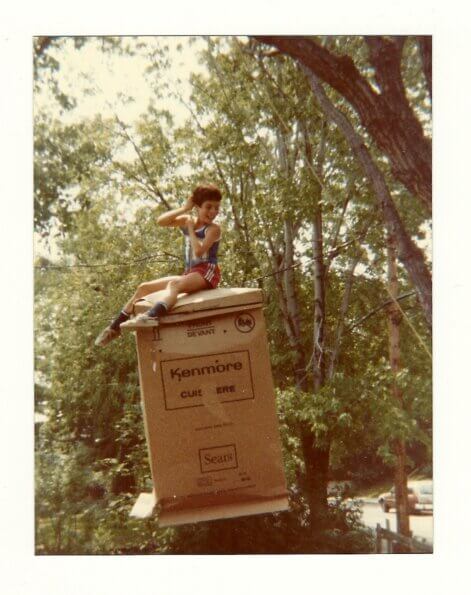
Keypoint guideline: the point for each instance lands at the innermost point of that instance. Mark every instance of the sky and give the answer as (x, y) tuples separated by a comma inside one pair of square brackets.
[(111, 75), (99, 80)]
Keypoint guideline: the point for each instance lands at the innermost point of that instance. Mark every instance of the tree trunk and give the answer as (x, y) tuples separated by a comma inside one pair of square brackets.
[(316, 459), (394, 321), (317, 453), (316, 456), (350, 276), (318, 335), (292, 304), (412, 258), (426, 53), (387, 115)]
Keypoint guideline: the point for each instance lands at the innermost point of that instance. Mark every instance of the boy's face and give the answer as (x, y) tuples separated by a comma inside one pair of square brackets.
[(208, 211)]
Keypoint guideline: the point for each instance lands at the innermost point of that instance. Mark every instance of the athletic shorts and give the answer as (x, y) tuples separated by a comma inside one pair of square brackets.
[(210, 272)]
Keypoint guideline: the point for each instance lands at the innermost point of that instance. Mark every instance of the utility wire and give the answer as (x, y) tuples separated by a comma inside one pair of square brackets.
[(143, 259), (157, 258)]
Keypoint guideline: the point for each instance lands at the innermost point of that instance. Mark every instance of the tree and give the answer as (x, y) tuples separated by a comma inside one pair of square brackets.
[(71, 164), (390, 120), (412, 258), (386, 114)]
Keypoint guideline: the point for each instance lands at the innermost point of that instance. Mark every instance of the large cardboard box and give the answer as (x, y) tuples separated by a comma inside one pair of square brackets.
[(209, 410)]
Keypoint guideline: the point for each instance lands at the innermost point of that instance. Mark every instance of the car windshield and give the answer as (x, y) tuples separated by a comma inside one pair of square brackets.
[(426, 489)]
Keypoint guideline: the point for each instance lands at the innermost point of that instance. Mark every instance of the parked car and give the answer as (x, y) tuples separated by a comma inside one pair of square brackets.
[(419, 496)]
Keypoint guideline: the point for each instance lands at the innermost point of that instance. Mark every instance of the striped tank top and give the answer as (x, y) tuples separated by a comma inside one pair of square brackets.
[(208, 257)]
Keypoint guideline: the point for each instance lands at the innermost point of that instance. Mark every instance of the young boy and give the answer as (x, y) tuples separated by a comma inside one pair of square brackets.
[(202, 238)]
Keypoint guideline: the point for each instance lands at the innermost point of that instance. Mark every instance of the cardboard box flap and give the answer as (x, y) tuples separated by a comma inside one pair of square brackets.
[(210, 299), (169, 518)]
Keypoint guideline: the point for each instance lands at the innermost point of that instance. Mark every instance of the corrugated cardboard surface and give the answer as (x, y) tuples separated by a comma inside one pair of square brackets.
[(209, 299), (210, 416)]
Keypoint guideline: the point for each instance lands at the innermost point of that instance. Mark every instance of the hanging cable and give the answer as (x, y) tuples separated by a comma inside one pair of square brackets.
[(143, 259)]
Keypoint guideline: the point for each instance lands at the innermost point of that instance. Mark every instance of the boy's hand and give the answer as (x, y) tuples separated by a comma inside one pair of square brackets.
[(190, 224)]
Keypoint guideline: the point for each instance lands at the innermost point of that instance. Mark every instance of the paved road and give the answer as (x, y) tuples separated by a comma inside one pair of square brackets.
[(421, 525)]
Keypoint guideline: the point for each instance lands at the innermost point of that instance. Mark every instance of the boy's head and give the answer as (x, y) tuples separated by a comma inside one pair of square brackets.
[(206, 192)]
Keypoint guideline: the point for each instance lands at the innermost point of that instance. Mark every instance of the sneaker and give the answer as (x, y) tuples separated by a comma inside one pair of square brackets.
[(140, 321), (106, 336)]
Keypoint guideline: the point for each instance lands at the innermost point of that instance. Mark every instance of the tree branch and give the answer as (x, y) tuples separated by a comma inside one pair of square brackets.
[(154, 187), (342, 313), (380, 307), (392, 125)]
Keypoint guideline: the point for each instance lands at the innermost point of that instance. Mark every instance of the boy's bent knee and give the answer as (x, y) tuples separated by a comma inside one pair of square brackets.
[(142, 287), (174, 284), (145, 288)]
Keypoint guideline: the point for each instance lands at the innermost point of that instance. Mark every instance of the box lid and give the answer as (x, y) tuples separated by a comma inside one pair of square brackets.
[(209, 299)]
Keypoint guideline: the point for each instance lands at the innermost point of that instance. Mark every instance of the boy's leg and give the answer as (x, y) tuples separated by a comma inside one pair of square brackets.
[(112, 331), (146, 288), (184, 284)]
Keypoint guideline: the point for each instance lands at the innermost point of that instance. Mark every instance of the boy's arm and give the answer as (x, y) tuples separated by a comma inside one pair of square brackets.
[(200, 247), (176, 217)]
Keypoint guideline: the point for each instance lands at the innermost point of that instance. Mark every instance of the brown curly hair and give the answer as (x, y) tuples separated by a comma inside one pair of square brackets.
[(205, 192)]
